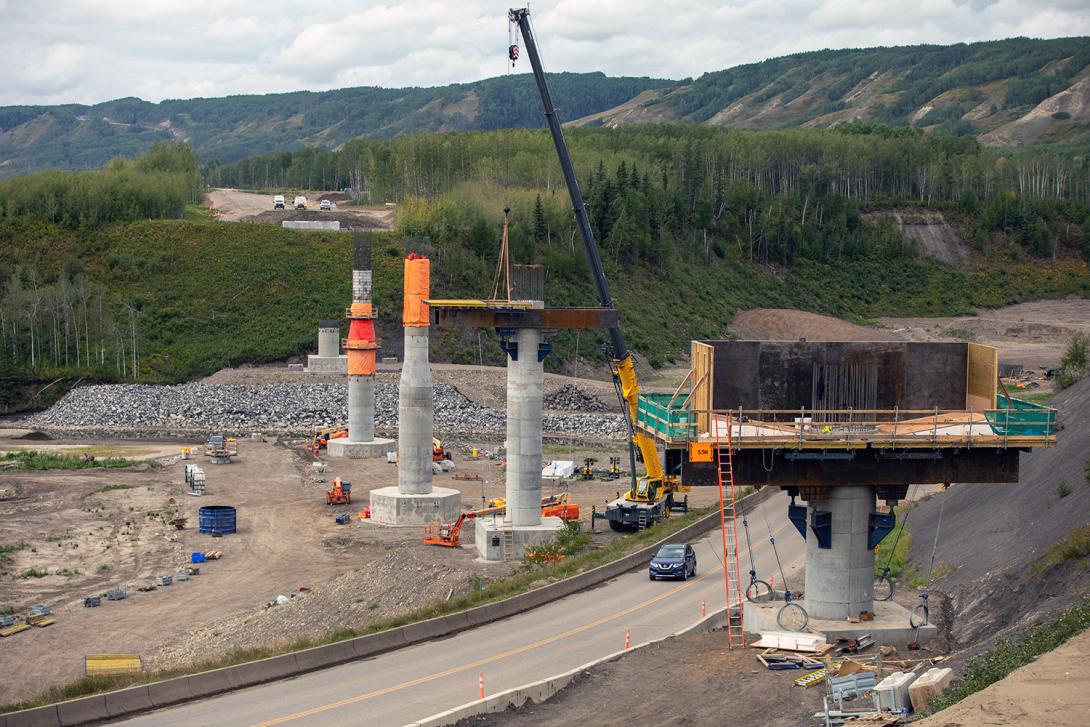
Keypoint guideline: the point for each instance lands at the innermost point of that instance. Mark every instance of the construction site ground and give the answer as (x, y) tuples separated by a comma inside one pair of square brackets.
[(234, 205), (93, 529)]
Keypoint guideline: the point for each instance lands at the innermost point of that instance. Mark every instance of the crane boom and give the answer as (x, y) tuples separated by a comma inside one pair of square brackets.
[(623, 364)]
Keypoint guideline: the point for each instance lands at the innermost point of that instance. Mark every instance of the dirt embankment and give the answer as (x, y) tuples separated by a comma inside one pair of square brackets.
[(993, 537), (780, 324), (1054, 691)]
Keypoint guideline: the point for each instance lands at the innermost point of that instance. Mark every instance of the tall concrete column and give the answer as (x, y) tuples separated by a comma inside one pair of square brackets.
[(525, 380), (361, 408), (415, 410), (840, 579)]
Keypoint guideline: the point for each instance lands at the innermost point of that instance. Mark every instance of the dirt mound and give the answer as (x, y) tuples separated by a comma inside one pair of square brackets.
[(781, 324), (1053, 690), (996, 534)]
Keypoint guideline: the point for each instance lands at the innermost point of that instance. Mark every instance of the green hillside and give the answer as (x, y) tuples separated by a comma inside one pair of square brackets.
[(694, 223), (225, 129), (987, 88)]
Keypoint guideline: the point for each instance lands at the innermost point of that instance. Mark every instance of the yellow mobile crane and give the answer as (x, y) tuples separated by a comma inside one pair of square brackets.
[(651, 497)]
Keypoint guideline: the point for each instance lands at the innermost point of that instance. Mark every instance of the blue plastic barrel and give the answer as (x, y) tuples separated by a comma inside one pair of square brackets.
[(216, 519)]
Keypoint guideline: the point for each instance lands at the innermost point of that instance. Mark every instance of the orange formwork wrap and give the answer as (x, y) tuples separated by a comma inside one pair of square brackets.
[(362, 345), (417, 285)]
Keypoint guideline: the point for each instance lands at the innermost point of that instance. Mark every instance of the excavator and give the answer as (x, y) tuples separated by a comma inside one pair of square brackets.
[(448, 535), (651, 498)]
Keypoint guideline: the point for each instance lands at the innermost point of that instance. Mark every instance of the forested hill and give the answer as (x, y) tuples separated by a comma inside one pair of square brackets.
[(226, 129), (1008, 92)]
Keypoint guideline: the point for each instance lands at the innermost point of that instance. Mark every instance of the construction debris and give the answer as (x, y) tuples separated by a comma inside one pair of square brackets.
[(790, 641)]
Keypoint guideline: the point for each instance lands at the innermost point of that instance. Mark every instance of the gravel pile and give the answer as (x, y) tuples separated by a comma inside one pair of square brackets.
[(571, 398), (282, 408)]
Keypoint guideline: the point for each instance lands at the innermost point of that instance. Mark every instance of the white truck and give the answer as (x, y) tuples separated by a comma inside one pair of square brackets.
[(278, 202), (300, 203)]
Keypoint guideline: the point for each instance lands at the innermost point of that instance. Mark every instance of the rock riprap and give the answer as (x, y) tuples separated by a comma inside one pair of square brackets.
[(277, 408)]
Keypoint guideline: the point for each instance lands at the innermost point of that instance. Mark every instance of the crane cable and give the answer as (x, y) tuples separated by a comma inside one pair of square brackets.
[(919, 616)]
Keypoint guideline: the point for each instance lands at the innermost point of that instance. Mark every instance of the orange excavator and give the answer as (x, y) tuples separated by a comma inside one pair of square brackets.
[(340, 493), (321, 437), (448, 534)]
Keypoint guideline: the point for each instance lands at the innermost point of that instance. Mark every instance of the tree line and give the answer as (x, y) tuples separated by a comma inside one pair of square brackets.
[(774, 196), (156, 185)]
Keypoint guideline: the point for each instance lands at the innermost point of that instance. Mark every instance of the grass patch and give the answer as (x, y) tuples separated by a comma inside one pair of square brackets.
[(34, 460), (525, 580), (1038, 397), (1007, 655), (898, 560), (1073, 547), (33, 573), (7, 550), (110, 488)]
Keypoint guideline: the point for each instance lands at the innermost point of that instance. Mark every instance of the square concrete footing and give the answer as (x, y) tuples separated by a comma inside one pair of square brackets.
[(390, 507), (490, 536), (360, 450), (327, 364), (890, 625)]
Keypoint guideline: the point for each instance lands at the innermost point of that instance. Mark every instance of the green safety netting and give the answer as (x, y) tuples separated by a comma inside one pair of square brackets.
[(1017, 418)]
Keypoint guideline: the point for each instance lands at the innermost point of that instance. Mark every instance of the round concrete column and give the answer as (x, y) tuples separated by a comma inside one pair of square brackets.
[(840, 579), (361, 408), (416, 408), (329, 341), (525, 380)]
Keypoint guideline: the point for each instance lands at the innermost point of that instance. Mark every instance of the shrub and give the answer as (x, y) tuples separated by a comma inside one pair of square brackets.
[(1063, 490)]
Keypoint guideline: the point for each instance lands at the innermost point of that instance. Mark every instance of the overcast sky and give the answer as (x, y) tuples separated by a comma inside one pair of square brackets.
[(85, 51)]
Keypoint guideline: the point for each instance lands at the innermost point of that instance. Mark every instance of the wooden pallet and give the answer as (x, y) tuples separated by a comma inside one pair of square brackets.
[(12, 630)]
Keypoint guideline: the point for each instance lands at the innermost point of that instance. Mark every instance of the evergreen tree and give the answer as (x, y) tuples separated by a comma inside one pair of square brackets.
[(541, 231)]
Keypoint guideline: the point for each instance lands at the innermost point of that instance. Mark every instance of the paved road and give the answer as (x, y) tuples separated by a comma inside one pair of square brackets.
[(412, 683)]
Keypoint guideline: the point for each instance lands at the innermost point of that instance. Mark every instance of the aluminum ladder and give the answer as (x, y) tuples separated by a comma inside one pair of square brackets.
[(728, 521), (508, 541)]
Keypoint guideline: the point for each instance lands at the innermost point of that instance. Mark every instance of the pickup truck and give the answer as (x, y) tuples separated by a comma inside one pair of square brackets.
[(300, 203)]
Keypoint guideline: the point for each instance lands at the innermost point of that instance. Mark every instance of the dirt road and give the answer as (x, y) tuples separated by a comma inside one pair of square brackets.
[(231, 205)]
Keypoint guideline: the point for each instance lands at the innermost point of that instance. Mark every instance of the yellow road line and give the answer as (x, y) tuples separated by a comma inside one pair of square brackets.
[(482, 662)]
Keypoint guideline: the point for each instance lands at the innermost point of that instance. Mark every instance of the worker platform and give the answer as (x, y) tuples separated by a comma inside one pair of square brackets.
[(873, 413)]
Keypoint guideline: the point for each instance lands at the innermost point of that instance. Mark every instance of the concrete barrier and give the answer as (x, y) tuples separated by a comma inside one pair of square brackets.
[(204, 684), (82, 711), (41, 717), (170, 691), (128, 701)]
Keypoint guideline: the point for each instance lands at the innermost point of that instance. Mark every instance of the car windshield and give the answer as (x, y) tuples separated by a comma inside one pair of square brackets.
[(672, 551)]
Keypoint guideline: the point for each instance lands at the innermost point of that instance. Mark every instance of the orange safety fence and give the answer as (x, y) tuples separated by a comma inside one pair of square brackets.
[(417, 285)]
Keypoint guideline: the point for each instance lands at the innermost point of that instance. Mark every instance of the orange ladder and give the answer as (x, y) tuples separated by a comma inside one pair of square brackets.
[(728, 521)]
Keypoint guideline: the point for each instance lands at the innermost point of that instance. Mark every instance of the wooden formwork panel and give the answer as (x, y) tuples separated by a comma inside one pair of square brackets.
[(700, 398), (982, 377)]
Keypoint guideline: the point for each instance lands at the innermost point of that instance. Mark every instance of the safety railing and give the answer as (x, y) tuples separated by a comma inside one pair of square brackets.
[(1015, 424)]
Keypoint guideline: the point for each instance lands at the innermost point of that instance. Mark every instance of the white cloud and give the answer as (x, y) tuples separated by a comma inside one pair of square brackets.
[(94, 50)]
